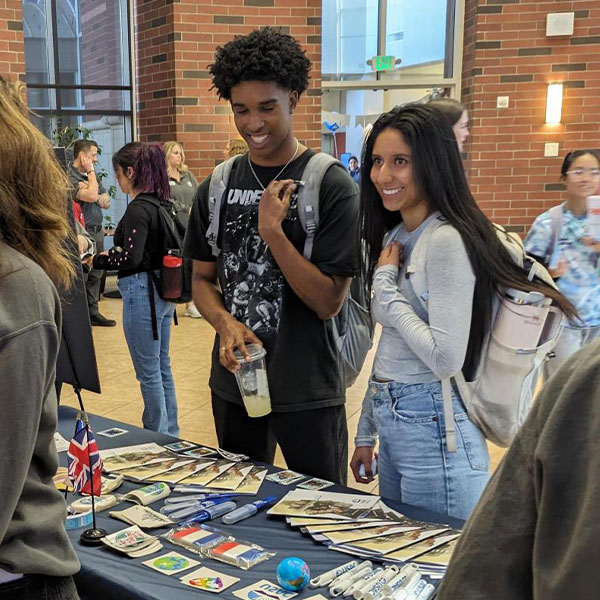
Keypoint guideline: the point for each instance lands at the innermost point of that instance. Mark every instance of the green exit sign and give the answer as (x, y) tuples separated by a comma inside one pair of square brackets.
[(383, 63)]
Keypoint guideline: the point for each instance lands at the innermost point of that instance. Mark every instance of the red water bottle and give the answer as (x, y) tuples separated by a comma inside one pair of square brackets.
[(172, 277)]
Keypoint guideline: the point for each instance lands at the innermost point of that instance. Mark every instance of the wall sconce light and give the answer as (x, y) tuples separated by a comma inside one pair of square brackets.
[(554, 103)]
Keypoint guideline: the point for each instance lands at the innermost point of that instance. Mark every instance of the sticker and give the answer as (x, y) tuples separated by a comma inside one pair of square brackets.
[(171, 563), (235, 550), (285, 477), (200, 452), (179, 446), (315, 484), (264, 590), (112, 432), (208, 580)]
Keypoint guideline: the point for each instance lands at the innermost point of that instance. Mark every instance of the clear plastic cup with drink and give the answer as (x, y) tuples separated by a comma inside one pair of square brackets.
[(252, 380)]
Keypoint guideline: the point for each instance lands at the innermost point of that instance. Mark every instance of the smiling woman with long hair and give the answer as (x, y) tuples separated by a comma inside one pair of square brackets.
[(36, 556), (412, 179)]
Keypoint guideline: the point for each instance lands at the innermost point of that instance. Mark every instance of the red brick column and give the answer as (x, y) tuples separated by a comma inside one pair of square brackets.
[(507, 53), (12, 49)]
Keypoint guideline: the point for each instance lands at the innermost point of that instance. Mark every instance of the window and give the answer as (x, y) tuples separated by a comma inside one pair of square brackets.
[(419, 34), (77, 63)]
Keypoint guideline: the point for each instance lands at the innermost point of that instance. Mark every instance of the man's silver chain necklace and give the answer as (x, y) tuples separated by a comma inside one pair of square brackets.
[(280, 172)]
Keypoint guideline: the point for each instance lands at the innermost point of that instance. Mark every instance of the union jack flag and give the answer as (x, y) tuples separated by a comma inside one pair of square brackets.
[(79, 462)]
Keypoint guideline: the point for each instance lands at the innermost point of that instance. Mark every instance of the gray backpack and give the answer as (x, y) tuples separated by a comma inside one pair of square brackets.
[(500, 395), (352, 327)]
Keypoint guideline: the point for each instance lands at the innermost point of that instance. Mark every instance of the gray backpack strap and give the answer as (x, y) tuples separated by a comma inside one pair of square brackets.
[(216, 190), (556, 216), (308, 196)]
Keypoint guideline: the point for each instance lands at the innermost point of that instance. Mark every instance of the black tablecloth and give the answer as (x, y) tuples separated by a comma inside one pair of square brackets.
[(107, 575)]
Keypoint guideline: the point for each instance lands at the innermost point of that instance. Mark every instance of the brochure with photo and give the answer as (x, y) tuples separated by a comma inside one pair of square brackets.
[(309, 503), (145, 472), (390, 543), (116, 459), (232, 478), (435, 550), (208, 474), (179, 472), (252, 481), (342, 537)]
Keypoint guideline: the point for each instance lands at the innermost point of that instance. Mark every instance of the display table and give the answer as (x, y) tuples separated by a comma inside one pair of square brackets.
[(108, 575)]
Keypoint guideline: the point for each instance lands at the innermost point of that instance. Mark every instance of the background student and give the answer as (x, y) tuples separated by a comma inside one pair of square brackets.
[(559, 238), (141, 172), (183, 187), (457, 117)]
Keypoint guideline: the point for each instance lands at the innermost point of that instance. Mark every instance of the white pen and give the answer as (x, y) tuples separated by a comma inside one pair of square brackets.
[(341, 584), (426, 592), (365, 581), (407, 588), (398, 581), (376, 587), (327, 577)]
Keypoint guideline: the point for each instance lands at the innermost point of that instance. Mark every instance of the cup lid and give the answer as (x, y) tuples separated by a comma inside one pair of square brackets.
[(256, 352)]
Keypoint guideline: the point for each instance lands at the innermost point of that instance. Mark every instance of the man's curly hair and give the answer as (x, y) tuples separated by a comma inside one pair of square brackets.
[(263, 55)]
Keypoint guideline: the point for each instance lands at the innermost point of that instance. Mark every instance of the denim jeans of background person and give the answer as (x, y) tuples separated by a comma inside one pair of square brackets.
[(150, 357), (413, 459)]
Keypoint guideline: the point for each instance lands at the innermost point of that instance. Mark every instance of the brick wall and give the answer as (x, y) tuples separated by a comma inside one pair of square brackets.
[(176, 43), (12, 50), (507, 53)]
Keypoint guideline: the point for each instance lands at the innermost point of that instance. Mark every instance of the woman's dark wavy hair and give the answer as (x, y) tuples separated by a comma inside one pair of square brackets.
[(571, 156), (263, 55), (150, 167), (439, 176)]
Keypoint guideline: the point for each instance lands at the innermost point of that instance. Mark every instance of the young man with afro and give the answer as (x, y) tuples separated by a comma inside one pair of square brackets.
[(262, 75)]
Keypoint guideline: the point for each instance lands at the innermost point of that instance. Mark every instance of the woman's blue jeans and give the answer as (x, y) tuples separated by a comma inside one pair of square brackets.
[(150, 357), (414, 464)]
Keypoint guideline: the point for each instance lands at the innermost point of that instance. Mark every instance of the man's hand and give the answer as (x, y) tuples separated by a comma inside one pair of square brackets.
[(83, 243), (234, 335), (104, 201), (392, 254), (273, 207), (87, 163), (363, 455)]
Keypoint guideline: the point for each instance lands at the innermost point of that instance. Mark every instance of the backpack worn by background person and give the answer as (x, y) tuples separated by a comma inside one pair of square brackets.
[(174, 283), (501, 391), (352, 326)]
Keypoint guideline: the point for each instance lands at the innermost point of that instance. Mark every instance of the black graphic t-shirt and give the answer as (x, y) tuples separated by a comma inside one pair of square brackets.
[(302, 362)]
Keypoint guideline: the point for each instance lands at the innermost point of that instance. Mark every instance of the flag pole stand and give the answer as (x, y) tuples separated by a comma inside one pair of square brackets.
[(93, 536)]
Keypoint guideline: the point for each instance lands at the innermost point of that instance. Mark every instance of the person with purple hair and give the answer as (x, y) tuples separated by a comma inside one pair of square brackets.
[(141, 171)]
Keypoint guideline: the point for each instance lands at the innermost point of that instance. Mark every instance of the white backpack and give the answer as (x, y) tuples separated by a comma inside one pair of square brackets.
[(500, 395)]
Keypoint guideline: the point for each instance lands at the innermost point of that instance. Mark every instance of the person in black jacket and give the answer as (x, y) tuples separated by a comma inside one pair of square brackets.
[(141, 171)]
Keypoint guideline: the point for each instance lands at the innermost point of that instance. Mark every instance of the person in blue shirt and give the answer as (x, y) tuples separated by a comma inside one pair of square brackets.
[(354, 169), (571, 255)]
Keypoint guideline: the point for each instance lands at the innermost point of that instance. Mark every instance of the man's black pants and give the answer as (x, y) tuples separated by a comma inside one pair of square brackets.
[(313, 442)]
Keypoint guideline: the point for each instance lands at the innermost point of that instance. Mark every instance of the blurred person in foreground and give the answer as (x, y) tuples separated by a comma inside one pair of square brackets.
[(37, 560), (534, 534)]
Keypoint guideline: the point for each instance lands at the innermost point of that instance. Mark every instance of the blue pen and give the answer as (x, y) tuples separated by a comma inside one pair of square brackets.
[(212, 512), (195, 498), (194, 505), (248, 510)]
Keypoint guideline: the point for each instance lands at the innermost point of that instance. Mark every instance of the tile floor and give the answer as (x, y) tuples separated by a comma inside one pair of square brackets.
[(191, 343)]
